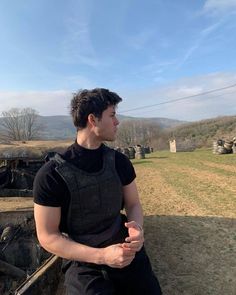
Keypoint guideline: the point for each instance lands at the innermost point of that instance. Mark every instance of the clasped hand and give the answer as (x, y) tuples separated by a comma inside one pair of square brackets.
[(134, 241), (121, 255)]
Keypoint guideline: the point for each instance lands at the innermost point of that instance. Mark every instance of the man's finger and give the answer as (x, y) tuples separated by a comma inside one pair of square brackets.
[(133, 245)]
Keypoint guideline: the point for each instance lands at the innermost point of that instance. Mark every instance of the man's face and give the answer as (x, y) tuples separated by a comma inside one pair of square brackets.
[(106, 126)]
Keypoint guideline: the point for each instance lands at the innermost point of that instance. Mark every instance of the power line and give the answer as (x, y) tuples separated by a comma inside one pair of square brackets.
[(209, 97), (179, 99)]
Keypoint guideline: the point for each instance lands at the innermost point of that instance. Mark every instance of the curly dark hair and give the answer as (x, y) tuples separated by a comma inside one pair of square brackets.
[(95, 101)]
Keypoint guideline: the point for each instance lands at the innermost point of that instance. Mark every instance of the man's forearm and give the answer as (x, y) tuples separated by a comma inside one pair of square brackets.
[(64, 247), (114, 256), (135, 240), (135, 213)]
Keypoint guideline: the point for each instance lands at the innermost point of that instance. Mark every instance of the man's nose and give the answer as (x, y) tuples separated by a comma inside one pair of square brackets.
[(117, 122)]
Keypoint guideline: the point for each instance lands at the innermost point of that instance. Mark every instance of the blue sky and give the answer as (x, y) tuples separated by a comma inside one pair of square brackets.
[(149, 52)]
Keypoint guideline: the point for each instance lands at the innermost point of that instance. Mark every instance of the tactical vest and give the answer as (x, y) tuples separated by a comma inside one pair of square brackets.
[(96, 200)]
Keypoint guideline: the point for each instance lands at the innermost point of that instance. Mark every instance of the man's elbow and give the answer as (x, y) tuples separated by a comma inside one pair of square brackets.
[(43, 240), (47, 241)]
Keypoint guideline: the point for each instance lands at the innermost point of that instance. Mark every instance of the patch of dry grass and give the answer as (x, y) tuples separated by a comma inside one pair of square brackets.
[(189, 209), (189, 203)]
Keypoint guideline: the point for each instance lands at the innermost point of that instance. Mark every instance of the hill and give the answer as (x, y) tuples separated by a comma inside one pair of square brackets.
[(56, 127), (163, 123), (61, 127), (201, 132), (205, 131)]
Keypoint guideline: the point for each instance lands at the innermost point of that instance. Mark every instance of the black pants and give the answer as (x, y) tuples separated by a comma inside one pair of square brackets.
[(91, 279)]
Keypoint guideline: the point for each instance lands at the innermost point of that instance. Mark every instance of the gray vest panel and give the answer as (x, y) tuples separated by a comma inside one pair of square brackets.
[(96, 200)]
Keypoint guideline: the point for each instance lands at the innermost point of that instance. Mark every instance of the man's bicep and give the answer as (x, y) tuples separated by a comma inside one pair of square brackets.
[(47, 219), (131, 196)]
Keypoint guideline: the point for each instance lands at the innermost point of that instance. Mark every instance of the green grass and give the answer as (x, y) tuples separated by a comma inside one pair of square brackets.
[(189, 202), (199, 177)]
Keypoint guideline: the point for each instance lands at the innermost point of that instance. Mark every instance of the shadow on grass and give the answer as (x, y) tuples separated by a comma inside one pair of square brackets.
[(192, 255), (158, 157), (142, 162)]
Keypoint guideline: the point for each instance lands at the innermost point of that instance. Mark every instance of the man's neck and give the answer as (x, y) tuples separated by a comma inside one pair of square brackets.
[(87, 140)]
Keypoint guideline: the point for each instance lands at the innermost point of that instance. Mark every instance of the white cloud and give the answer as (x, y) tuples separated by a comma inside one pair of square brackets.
[(77, 46), (45, 102), (189, 52), (202, 36), (77, 82), (210, 29), (196, 108), (219, 6)]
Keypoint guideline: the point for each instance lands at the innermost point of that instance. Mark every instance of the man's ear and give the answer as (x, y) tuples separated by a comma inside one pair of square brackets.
[(92, 120)]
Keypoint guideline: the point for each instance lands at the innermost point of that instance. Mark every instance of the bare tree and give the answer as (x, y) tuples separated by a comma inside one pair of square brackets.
[(133, 132), (19, 124), (125, 136), (146, 132)]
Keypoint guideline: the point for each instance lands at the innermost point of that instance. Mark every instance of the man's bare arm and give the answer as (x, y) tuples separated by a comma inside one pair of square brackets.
[(47, 221), (132, 203), (135, 217)]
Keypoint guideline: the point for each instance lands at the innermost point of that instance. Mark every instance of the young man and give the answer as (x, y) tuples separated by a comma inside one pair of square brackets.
[(78, 199)]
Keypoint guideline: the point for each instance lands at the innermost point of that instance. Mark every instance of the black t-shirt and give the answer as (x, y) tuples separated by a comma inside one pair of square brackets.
[(51, 190)]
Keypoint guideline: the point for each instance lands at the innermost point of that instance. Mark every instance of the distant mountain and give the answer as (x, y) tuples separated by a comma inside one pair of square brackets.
[(202, 132), (56, 127), (61, 127), (161, 122)]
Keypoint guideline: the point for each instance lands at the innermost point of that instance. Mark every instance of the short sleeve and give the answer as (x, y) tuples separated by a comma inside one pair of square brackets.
[(124, 168), (48, 188)]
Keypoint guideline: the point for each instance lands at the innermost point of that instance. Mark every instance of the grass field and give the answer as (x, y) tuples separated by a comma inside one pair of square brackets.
[(189, 203)]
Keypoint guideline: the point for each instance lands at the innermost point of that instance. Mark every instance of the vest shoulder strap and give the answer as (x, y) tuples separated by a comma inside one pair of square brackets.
[(57, 158), (109, 156)]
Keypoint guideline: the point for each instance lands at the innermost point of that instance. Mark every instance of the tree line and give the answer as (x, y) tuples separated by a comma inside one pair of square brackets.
[(23, 125), (202, 133), (144, 132), (19, 125)]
